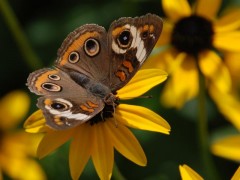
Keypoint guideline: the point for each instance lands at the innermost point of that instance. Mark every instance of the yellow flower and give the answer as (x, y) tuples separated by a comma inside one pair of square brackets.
[(188, 173), (192, 40), (16, 147), (98, 141)]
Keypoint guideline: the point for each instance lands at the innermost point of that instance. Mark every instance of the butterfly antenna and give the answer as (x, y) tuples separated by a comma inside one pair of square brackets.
[(145, 97), (142, 97)]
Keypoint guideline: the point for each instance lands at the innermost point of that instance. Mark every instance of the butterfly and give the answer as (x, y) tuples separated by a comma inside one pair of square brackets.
[(92, 64)]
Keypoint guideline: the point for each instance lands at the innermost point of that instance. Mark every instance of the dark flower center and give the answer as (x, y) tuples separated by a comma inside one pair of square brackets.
[(192, 35), (107, 112)]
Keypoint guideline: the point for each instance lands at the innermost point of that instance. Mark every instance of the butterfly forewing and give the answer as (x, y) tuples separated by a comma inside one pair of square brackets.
[(131, 40), (85, 51)]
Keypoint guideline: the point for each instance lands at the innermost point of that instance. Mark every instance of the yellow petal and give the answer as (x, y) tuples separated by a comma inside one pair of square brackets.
[(182, 84), (36, 123), (141, 118), (16, 149), (175, 62), (102, 151), (214, 69), (230, 21), (236, 175), (25, 143), (167, 60), (228, 41), (232, 61), (188, 173), (208, 9), (143, 81), (80, 150), (32, 170), (228, 147), (227, 104), (126, 143), (13, 107), (22, 168), (166, 34), (52, 140), (160, 60), (176, 9)]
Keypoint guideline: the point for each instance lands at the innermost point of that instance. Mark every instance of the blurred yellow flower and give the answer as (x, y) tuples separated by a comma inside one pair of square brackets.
[(229, 146), (17, 147), (98, 141), (231, 104), (188, 173), (192, 40)]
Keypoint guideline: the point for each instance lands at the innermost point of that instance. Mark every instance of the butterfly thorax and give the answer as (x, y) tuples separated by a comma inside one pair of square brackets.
[(95, 88), (98, 89)]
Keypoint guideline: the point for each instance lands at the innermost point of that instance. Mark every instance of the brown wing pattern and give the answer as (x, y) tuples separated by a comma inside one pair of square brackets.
[(88, 43), (64, 103), (131, 40)]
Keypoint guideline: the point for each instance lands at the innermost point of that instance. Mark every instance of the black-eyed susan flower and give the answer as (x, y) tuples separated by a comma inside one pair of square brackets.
[(17, 147), (98, 140), (195, 40), (188, 173), (192, 48)]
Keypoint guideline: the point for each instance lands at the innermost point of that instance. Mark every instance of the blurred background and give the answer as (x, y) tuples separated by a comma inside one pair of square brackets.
[(46, 24)]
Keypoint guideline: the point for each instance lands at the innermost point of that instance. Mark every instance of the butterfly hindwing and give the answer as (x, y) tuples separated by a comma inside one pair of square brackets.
[(64, 103)]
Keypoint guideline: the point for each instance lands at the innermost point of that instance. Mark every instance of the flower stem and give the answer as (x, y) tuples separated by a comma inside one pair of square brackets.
[(207, 160), (117, 174), (11, 20)]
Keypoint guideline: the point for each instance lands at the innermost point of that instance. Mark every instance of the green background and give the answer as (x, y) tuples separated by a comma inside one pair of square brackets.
[(46, 24)]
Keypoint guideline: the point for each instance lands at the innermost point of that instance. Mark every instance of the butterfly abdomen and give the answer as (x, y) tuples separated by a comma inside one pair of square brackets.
[(95, 88)]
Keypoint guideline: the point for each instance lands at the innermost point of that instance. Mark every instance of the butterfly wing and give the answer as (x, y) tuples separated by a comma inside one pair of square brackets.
[(131, 40), (92, 64), (110, 58), (85, 51), (64, 103)]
